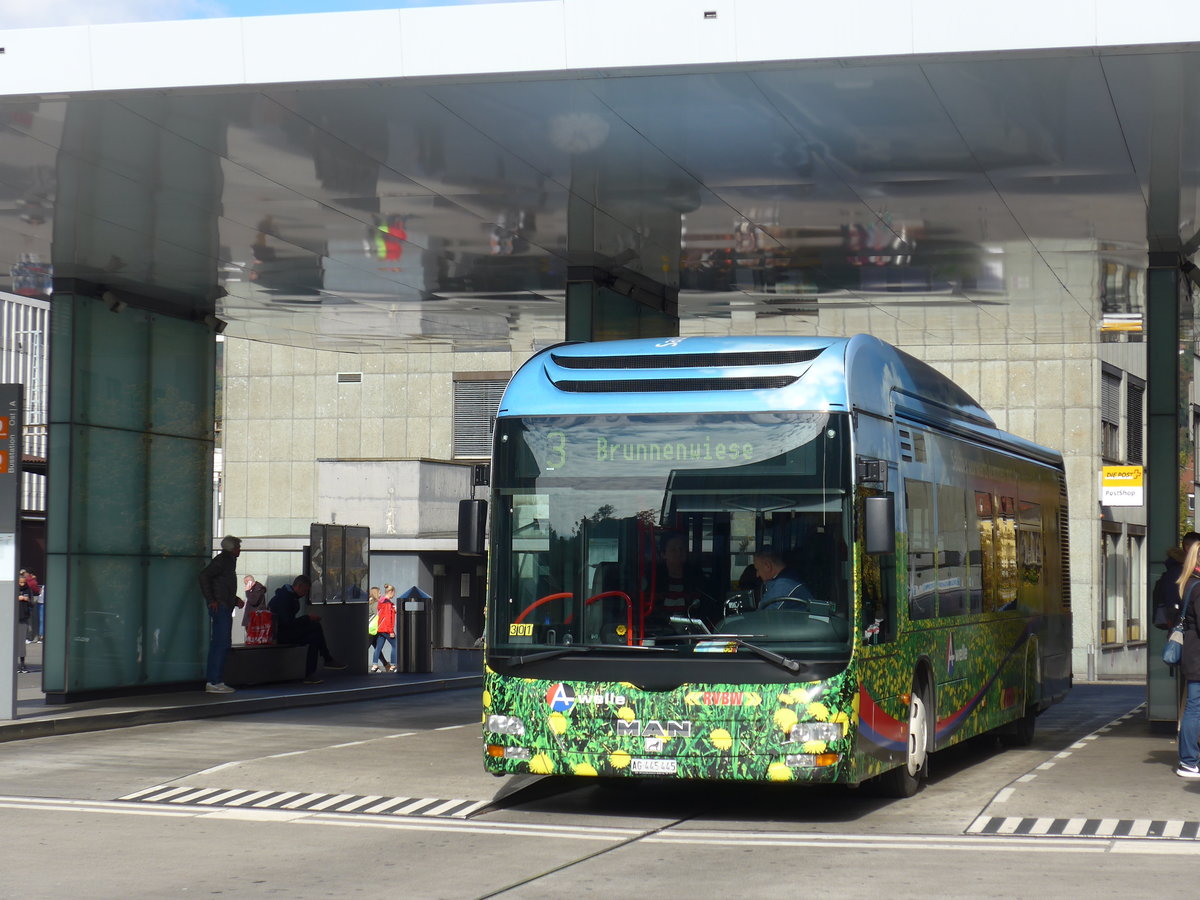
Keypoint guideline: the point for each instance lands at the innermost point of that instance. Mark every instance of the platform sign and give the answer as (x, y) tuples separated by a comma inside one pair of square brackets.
[(1121, 485), (12, 632)]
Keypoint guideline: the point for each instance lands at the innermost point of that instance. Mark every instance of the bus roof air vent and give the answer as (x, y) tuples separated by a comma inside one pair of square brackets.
[(656, 385), (688, 360)]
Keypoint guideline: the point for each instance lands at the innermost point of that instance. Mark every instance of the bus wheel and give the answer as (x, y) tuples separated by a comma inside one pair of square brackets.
[(904, 780)]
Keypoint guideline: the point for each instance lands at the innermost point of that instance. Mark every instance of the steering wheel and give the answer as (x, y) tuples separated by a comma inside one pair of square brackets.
[(787, 604)]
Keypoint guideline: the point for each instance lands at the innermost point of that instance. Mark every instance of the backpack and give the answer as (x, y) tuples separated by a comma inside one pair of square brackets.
[(1168, 607), (1166, 602)]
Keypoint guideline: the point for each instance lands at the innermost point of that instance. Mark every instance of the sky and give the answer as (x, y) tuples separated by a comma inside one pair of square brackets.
[(43, 13)]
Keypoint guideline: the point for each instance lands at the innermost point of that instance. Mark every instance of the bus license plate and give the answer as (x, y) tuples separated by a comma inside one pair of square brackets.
[(653, 766)]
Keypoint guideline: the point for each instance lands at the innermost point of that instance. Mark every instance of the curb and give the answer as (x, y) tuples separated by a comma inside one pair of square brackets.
[(48, 726)]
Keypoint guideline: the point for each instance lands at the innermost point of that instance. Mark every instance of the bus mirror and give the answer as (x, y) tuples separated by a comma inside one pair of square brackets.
[(472, 524), (880, 536)]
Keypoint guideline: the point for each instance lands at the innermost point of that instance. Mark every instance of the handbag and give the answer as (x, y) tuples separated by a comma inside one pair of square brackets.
[(1173, 649), (373, 624), (258, 628)]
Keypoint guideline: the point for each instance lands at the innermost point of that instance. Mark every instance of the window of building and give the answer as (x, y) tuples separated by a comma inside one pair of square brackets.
[(1114, 591), (476, 402), (1110, 415), (1134, 424), (1136, 593)]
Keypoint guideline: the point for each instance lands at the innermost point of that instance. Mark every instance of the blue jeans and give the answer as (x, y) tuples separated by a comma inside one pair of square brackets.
[(380, 640), (219, 643), (1189, 727)]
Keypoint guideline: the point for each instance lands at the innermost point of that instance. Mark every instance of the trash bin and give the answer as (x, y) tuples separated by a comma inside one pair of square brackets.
[(416, 630)]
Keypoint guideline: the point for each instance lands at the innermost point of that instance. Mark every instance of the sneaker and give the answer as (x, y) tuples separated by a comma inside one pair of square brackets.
[(313, 679), (218, 689), (375, 669), (334, 664), (1186, 771)]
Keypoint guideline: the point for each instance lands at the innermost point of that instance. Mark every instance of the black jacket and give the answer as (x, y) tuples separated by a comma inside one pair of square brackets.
[(218, 580), (1190, 663)]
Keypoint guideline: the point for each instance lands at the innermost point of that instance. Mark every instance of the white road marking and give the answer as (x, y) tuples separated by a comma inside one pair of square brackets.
[(970, 843), (1003, 795)]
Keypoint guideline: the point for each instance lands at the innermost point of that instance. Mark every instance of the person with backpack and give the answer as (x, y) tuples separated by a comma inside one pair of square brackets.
[(1189, 664), (1165, 597), (385, 630)]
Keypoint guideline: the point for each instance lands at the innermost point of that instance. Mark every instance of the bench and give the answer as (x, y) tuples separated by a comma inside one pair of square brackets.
[(264, 663)]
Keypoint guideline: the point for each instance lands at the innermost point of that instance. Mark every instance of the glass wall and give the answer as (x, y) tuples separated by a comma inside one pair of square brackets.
[(130, 486)]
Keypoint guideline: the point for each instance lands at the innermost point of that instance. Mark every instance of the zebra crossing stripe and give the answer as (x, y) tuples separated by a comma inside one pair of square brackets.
[(1045, 826), (410, 809), (249, 798), (432, 807), (332, 801), (275, 798), (386, 805), (194, 795), (361, 801), (165, 795)]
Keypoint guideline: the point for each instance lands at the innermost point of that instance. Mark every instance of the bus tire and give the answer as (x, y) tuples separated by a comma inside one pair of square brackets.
[(904, 780)]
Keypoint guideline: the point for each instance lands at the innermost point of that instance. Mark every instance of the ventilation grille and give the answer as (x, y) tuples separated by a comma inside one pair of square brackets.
[(688, 360), (1064, 542), (475, 407), (349, 377), (654, 385)]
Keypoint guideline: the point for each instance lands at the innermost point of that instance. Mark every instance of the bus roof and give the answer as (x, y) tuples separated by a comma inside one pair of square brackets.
[(749, 374)]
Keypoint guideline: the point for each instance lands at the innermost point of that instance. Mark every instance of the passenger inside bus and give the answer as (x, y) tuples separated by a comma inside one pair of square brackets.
[(680, 585)]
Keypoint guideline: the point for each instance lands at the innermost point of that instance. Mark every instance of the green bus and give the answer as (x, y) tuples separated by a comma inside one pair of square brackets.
[(789, 559)]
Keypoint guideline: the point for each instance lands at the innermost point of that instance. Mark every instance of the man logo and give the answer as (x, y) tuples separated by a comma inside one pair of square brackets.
[(561, 697)]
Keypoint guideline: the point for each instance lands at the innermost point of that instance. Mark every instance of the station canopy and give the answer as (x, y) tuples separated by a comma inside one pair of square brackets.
[(1005, 197)]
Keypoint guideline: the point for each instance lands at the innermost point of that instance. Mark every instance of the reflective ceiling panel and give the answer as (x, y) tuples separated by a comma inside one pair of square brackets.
[(974, 197)]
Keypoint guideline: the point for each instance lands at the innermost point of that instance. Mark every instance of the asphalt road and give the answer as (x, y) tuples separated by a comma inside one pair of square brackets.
[(388, 798)]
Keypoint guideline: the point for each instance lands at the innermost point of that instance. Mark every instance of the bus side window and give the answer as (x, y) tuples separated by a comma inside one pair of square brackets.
[(987, 548), (922, 552)]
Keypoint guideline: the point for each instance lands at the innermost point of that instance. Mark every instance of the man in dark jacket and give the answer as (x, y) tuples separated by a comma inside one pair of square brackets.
[(294, 627), (218, 584), (1165, 597)]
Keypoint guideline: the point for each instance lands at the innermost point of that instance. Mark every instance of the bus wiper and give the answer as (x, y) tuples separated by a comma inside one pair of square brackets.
[(565, 649), (790, 665)]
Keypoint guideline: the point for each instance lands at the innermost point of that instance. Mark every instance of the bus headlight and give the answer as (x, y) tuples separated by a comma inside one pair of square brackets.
[(811, 760), (506, 725), (496, 751), (817, 731)]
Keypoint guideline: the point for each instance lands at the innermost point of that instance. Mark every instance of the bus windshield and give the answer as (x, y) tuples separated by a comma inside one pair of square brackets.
[(634, 531)]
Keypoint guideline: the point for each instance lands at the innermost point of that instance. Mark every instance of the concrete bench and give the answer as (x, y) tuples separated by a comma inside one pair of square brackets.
[(264, 663)]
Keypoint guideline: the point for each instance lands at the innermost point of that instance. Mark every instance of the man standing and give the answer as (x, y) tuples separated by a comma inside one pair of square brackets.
[(218, 584)]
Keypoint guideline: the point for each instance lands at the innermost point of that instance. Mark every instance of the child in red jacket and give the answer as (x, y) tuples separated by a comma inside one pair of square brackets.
[(385, 629)]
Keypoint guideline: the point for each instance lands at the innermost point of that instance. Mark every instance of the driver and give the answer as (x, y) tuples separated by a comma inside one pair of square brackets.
[(780, 581)]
